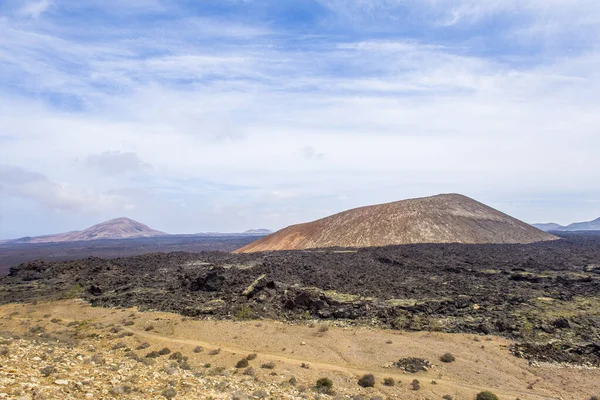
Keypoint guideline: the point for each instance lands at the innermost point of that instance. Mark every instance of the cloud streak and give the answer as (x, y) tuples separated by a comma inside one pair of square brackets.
[(271, 114)]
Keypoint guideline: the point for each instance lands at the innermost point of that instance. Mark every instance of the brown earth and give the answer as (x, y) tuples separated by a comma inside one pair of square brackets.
[(118, 228), (95, 354), (447, 218)]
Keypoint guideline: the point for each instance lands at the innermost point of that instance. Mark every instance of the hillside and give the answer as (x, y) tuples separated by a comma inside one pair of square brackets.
[(446, 218), (118, 228)]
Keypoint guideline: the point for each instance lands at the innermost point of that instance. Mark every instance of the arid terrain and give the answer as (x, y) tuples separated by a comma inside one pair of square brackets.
[(67, 349), (445, 218)]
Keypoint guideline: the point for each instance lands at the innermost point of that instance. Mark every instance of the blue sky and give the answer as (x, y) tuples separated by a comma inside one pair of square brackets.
[(228, 115)]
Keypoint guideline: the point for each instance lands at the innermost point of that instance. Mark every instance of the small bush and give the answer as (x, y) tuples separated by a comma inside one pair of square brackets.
[(243, 363), (176, 356), (198, 349), (169, 393), (250, 372), (595, 398), (269, 365), (55, 320), (143, 346), (416, 385), (448, 397), (293, 381), (324, 385), (251, 356), (153, 354), (47, 371), (244, 313), (214, 352), (128, 323), (164, 351), (37, 329), (367, 380), (4, 351), (447, 358), (149, 328), (487, 395), (305, 366), (389, 382), (323, 328)]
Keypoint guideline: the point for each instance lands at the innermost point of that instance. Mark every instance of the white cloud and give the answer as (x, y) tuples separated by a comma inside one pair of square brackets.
[(225, 126), (59, 197), (34, 9)]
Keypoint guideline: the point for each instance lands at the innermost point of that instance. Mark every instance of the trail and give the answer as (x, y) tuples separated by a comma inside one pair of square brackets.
[(335, 367)]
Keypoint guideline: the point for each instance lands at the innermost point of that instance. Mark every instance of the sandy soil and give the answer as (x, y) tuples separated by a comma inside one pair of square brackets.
[(342, 354)]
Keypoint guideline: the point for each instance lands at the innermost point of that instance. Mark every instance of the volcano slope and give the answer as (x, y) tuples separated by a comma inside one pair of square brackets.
[(445, 218), (546, 295)]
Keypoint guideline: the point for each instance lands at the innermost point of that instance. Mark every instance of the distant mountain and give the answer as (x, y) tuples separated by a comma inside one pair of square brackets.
[(258, 231), (551, 226), (576, 226), (446, 218), (118, 228)]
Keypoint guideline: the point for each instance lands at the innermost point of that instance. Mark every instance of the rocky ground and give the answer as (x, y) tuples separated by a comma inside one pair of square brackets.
[(546, 295), (70, 350)]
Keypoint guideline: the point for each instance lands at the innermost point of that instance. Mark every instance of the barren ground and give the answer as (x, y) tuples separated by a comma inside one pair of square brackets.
[(93, 352)]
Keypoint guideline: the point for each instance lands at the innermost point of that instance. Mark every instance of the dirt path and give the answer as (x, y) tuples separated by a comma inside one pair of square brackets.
[(331, 367)]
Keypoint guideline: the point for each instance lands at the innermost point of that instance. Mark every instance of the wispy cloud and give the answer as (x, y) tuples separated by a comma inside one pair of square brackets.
[(387, 99)]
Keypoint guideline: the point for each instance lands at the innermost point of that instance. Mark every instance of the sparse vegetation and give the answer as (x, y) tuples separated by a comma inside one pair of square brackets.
[(448, 397), (367, 380), (214, 352), (389, 382), (48, 370), (250, 372), (416, 385), (447, 358), (269, 365), (143, 346), (243, 363), (164, 351), (251, 356), (198, 349), (323, 328), (149, 328), (244, 313), (293, 381), (324, 385), (486, 395)]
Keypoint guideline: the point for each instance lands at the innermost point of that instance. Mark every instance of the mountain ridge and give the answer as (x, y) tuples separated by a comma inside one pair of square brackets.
[(445, 218), (593, 225)]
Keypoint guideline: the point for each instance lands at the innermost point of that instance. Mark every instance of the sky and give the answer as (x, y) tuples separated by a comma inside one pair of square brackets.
[(227, 115)]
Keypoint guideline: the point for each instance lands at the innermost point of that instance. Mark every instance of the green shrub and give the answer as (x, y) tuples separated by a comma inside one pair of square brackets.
[(244, 313), (486, 396), (324, 385), (367, 380), (447, 358), (389, 382)]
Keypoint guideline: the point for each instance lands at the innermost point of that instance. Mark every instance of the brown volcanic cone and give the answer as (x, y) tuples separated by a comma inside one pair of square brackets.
[(446, 218), (118, 228)]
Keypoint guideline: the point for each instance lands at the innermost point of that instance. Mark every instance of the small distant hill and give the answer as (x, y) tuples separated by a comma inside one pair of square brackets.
[(547, 227), (576, 226), (258, 231), (118, 228), (446, 218)]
